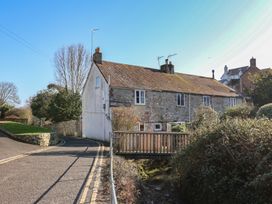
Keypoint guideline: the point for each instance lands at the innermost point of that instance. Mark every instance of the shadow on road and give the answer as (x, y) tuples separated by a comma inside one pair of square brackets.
[(88, 154), (78, 155)]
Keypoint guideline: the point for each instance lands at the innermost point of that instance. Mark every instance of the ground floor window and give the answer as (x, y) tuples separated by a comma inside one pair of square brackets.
[(157, 127), (141, 127)]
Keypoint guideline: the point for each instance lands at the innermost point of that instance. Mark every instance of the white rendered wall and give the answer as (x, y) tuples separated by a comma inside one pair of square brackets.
[(96, 122)]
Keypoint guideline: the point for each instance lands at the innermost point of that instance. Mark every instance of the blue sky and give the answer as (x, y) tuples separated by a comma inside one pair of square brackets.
[(205, 34)]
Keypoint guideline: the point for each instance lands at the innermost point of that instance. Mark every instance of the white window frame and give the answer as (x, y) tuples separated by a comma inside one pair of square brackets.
[(139, 126), (140, 97), (208, 99), (232, 102), (157, 129), (181, 95), (97, 82)]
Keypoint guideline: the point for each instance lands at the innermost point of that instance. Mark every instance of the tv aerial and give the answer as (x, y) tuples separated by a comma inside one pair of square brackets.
[(159, 58), (171, 55)]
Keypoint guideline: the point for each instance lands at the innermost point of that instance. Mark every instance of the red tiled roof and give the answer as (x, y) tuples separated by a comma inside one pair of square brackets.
[(136, 77)]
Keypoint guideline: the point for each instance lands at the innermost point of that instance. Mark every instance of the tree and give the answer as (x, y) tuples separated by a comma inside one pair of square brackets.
[(8, 94), (40, 103), (65, 106), (72, 65), (4, 109), (261, 93)]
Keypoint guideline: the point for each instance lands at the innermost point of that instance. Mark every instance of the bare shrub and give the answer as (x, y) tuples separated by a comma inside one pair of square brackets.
[(205, 117), (126, 180), (22, 113), (123, 119)]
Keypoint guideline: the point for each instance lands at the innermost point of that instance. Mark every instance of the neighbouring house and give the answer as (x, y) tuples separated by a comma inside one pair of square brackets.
[(158, 96), (240, 79)]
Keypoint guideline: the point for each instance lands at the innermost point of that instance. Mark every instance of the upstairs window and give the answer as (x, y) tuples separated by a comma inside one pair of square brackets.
[(139, 97), (232, 102), (206, 100), (97, 82), (180, 99)]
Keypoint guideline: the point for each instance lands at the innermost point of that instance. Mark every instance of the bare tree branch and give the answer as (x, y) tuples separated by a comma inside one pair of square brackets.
[(72, 65), (8, 94)]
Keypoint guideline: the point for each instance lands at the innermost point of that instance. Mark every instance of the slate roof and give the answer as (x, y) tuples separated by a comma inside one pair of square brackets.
[(137, 77), (236, 71)]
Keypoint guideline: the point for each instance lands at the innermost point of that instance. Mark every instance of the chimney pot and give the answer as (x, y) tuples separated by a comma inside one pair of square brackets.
[(213, 73)]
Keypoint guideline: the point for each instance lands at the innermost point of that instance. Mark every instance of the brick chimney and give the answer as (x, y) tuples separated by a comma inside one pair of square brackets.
[(167, 67), (252, 62), (97, 56), (226, 69)]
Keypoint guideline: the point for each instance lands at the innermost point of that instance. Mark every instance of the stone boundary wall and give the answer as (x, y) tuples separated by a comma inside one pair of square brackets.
[(68, 128), (42, 139)]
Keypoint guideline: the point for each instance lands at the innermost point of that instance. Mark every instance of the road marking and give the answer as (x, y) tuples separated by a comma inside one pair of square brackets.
[(97, 178), (19, 156), (88, 183)]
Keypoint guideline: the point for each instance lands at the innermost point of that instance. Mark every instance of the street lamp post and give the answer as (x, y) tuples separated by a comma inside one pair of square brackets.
[(92, 33)]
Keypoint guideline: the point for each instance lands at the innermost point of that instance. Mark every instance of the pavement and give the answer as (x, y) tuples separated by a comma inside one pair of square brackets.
[(61, 174)]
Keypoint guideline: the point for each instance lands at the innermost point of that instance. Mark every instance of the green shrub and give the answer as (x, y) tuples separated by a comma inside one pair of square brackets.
[(179, 127), (240, 111), (229, 163), (265, 111)]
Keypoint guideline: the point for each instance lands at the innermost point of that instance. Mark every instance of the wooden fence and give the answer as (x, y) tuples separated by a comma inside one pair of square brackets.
[(155, 143)]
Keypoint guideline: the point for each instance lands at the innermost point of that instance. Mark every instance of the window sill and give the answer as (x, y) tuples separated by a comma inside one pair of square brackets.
[(137, 104)]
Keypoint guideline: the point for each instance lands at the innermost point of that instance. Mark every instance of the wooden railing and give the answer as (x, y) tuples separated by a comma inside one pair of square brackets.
[(149, 142)]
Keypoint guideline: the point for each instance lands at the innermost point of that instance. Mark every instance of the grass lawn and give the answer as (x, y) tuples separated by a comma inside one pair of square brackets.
[(22, 129)]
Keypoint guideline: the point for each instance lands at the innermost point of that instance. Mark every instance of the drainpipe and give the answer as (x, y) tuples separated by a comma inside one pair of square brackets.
[(109, 118), (189, 107)]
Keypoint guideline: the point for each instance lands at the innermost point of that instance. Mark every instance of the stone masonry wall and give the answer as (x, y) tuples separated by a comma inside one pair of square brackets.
[(42, 139), (161, 107)]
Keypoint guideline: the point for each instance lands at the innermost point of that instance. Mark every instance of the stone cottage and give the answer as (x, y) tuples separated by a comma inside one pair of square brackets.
[(158, 96)]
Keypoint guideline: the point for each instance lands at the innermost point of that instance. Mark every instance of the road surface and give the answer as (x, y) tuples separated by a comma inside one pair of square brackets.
[(62, 174)]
